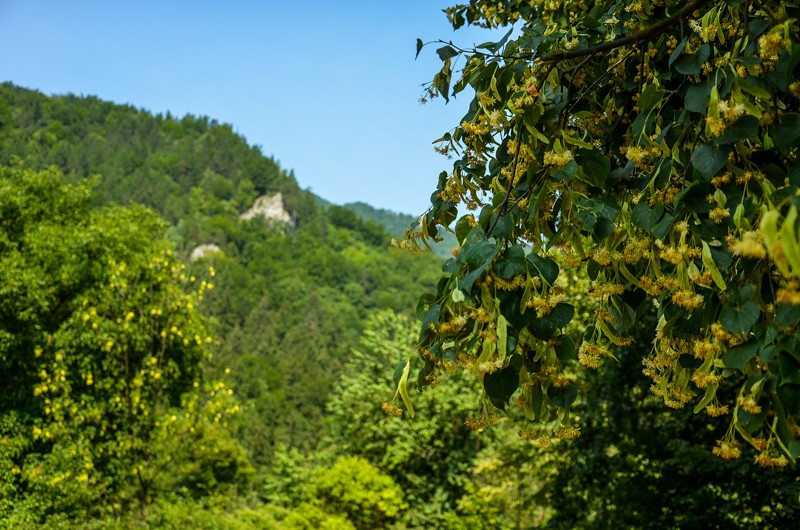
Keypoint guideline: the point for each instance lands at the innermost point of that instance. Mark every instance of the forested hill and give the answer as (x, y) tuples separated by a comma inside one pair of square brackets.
[(292, 293)]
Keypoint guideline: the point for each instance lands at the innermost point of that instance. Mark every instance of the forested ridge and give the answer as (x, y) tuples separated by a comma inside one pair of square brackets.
[(251, 386)]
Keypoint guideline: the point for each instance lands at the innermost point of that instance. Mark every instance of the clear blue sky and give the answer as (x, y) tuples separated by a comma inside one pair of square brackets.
[(329, 88)]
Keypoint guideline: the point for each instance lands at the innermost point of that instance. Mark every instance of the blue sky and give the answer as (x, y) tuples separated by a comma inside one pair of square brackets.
[(330, 89)]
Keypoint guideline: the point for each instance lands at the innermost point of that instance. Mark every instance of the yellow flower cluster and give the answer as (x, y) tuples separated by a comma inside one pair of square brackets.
[(676, 255), (551, 158), (727, 449), (789, 294), (391, 409), (749, 404), (515, 283), (715, 411), (719, 214), (656, 287), (567, 433), (545, 303), (602, 290), (766, 460), (751, 246), (688, 300), (771, 44), (590, 354)]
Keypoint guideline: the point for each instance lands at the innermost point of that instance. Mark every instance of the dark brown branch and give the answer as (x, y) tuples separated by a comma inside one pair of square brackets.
[(646, 34)]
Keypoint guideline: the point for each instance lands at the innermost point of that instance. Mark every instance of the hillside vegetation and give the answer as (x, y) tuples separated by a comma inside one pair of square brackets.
[(166, 363)]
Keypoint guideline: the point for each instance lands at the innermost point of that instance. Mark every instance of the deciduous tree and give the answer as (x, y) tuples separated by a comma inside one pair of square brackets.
[(655, 144)]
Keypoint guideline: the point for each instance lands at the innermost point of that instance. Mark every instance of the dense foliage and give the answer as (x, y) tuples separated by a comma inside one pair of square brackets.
[(655, 145), (252, 387), (104, 400), (290, 298)]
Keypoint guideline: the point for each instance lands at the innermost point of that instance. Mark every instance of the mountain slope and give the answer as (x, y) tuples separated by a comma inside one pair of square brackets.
[(289, 300)]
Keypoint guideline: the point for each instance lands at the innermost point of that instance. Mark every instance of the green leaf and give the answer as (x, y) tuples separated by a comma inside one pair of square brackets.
[(501, 385), (463, 227), (545, 268), (664, 225), (696, 99), (567, 172), (419, 47), (593, 166), (786, 133), (476, 250), (676, 53), (739, 319), (708, 262), (495, 47), (752, 423), (645, 217), (502, 336), (431, 317), (790, 369), (444, 53), (468, 280), (738, 356), (711, 391), (561, 315), (650, 97), (623, 316), (511, 263), (708, 160), (563, 396), (402, 387), (787, 315), (691, 64), (745, 128), (565, 349), (545, 327), (501, 226)]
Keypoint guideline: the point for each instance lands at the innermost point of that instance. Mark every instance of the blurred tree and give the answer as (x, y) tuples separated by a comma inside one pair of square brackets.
[(104, 399)]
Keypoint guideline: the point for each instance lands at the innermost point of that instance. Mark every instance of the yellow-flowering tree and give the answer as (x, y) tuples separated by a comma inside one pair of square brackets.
[(102, 352), (654, 143)]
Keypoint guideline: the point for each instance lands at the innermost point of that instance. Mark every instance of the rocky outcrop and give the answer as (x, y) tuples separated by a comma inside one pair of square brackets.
[(269, 207), (202, 251)]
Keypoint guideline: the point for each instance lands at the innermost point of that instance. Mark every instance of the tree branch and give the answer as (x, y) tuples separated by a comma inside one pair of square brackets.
[(646, 34)]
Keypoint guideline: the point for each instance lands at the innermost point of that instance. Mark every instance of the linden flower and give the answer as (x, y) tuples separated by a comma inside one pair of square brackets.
[(688, 300), (637, 155), (727, 449), (716, 411), (600, 290), (589, 361), (788, 296), (703, 380), (567, 433), (749, 404), (551, 158), (391, 409), (763, 459), (601, 256), (750, 246), (719, 214), (703, 348), (770, 44)]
